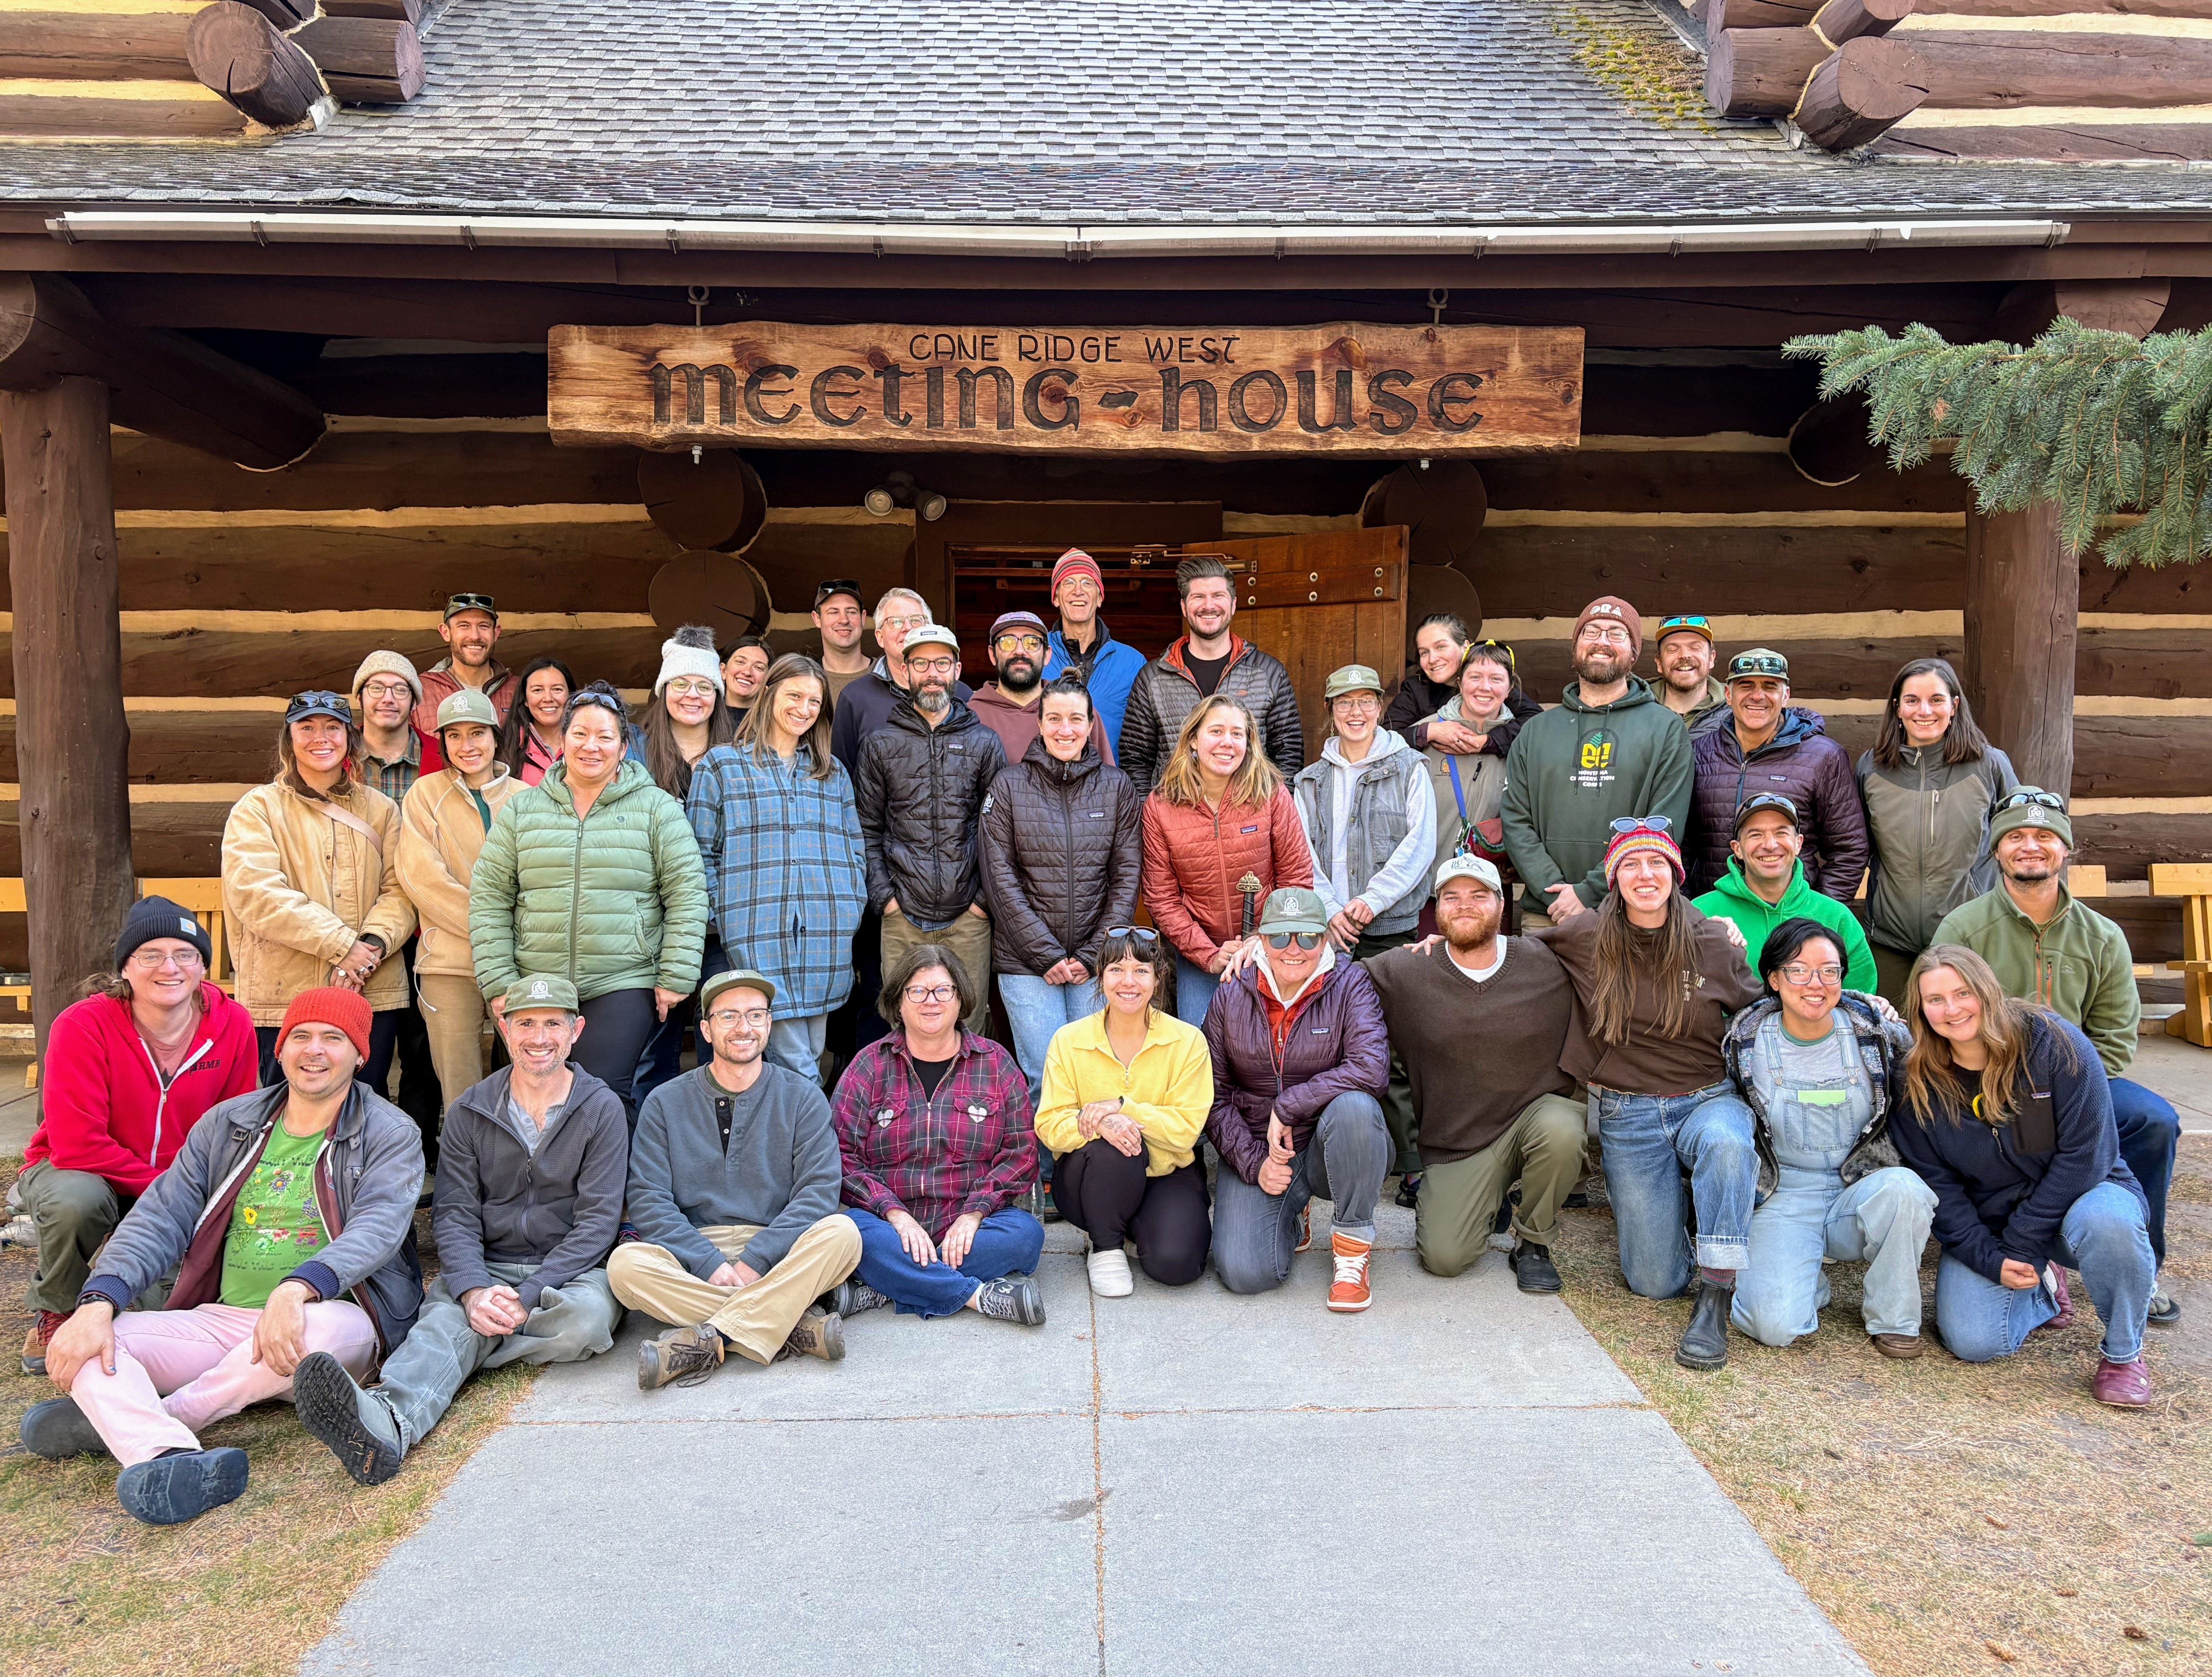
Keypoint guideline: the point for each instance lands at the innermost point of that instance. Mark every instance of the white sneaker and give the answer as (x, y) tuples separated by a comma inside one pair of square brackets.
[(1109, 1274)]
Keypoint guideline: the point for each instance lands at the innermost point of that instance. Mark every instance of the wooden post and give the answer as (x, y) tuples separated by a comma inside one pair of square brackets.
[(72, 743), (2023, 600)]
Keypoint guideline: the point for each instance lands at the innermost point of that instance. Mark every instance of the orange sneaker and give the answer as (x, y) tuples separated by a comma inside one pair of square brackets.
[(1305, 1229), (1349, 1291)]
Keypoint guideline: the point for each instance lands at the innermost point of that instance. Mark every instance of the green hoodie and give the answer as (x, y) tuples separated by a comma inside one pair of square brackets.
[(1734, 899), (2078, 965), (1576, 768)]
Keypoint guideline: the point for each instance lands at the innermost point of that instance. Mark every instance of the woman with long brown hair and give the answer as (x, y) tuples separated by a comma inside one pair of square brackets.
[(530, 738), (2008, 1115), (1657, 980), (1220, 815)]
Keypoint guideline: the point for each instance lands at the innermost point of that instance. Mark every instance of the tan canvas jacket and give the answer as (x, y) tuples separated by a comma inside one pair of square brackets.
[(440, 834)]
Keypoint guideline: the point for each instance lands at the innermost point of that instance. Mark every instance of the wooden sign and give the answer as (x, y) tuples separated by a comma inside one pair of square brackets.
[(1341, 388)]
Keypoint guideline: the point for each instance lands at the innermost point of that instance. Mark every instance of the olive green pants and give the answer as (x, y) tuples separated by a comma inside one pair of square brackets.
[(1541, 1149)]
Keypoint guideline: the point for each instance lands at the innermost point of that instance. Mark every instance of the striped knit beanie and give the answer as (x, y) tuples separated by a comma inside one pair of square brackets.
[(1643, 836)]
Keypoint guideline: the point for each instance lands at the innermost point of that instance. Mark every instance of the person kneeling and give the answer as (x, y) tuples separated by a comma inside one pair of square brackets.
[(531, 1167), (2008, 1115), (1821, 1069), (933, 1127), (246, 1214), (1482, 1023), (733, 1180), (1300, 1061)]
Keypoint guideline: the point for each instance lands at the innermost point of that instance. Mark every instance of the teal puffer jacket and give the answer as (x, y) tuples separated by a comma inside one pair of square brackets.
[(615, 902)]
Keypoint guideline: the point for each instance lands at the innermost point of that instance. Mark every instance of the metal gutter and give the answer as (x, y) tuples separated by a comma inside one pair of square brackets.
[(1065, 243)]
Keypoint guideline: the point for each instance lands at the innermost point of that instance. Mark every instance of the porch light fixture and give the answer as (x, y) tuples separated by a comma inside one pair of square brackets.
[(899, 489)]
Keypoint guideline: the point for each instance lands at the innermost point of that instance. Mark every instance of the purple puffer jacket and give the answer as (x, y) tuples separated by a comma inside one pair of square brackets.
[(1337, 1044), (1805, 766)]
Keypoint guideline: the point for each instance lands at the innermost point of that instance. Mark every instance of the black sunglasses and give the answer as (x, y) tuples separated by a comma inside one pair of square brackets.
[(468, 603), (306, 704), (1302, 940), (837, 585), (586, 697), (1143, 936), (2036, 795)]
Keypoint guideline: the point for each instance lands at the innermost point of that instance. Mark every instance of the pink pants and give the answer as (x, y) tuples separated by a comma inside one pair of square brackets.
[(176, 1370)]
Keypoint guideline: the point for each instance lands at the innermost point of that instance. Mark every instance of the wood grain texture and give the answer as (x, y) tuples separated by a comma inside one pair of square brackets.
[(79, 46), (1984, 71), (1721, 15), (2133, 141), (2020, 616), (2134, 306), (238, 52), (1312, 638), (1841, 21), (1344, 387), (1856, 96), (1759, 72), (177, 109), (366, 60)]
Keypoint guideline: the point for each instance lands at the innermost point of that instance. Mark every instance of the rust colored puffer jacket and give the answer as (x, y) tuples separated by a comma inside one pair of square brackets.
[(1193, 857)]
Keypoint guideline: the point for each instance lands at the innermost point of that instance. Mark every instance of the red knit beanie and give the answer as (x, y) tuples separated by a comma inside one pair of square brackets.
[(1643, 835), (1076, 562), (1613, 608), (346, 1009)]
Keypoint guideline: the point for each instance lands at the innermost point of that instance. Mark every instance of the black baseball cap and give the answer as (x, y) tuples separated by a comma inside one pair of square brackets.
[(839, 585), (1764, 800)]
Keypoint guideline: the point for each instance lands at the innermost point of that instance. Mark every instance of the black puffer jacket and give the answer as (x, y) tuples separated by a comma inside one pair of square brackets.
[(920, 791), (1062, 844), (1166, 693)]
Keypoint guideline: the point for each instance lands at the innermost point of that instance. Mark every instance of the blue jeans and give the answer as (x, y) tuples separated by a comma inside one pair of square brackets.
[(1882, 1219), (2150, 1130), (2104, 1238), (1007, 1243), (1036, 1009), (1344, 1161), (796, 1045), (1195, 988), (1649, 1141)]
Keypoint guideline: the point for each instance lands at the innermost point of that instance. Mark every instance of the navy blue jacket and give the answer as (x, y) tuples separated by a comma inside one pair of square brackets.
[(1993, 1201)]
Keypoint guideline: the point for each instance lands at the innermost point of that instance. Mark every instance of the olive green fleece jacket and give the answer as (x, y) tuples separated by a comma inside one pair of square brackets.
[(1576, 768), (1733, 899), (615, 902), (2078, 966)]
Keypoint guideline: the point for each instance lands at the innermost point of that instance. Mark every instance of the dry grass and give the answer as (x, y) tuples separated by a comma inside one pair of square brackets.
[(1949, 1518), (248, 1588)]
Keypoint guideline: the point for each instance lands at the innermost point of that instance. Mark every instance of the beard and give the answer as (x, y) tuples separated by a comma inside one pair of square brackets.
[(1471, 929), (1019, 675), (2030, 873), (933, 699), (1686, 678), (1601, 667)]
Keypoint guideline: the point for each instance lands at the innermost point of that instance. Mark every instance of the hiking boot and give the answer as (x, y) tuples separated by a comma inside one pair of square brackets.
[(58, 1430), (1109, 1274), (850, 1297), (356, 1426), (1305, 1229), (1704, 1341), (685, 1355), (181, 1485), (1016, 1300), (819, 1334), (2164, 1311), (1048, 1208), (2123, 1385), (1409, 1190), (2056, 1278), (1899, 1348), (1533, 1268), (45, 1324), (1349, 1291)]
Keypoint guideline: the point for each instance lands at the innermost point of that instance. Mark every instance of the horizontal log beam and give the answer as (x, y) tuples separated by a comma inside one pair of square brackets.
[(239, 53), (2139, 138), (163, 383), (87, 46), (1989, 70), (1719, 14), (366, 60), (403, 11), (154, 109), (2201, 9), (1841, 21)]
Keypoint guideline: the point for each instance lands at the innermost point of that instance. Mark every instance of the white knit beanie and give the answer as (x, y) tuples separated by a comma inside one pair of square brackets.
[(388, 664), (689, 652)]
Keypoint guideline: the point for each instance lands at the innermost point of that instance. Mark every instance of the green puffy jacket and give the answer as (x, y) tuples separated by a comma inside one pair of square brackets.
[(615, 902)]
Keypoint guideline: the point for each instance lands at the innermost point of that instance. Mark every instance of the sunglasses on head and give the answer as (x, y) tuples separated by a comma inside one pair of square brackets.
[(1646, 823), (467, 603), (837, 585), (1304, 939), (306, 704), (2023, 795), (605, 701), (1143, 936)]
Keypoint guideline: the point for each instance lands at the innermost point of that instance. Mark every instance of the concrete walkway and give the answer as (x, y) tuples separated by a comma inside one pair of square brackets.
[(1183, 1481)]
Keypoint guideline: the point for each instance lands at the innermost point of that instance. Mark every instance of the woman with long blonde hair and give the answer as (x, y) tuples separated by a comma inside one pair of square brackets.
[(1221, 831), (2008, 1115)]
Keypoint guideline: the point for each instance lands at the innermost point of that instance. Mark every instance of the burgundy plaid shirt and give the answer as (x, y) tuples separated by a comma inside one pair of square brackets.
[(971, 1149)]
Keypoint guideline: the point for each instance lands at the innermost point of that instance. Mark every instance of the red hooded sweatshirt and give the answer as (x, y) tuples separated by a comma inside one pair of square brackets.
[(102, 1107)]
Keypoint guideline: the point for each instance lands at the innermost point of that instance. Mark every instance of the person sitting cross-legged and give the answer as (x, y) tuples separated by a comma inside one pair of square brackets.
[(933, 1127), (262, 1278), (733, 1179), (530, 1170), (1821, 1068), (1300, 1060)]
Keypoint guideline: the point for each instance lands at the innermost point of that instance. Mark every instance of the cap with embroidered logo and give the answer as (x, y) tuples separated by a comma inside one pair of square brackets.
[(548, 990)]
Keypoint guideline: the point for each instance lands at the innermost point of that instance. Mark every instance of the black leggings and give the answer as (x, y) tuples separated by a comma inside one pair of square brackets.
[(615, 1027), (375, 1071), (1107, 1194)]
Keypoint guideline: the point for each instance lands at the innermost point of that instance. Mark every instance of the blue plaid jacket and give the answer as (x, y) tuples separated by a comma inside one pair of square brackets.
[(787, 872)]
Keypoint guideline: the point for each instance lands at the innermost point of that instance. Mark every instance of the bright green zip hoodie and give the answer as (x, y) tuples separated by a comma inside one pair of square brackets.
[(1756, 917)]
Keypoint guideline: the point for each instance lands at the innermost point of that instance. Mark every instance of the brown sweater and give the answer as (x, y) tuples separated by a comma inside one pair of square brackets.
[(1648, 1063), (1475, 1053)]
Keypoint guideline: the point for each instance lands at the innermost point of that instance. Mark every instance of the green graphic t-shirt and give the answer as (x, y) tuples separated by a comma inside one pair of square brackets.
[(274, 1225)]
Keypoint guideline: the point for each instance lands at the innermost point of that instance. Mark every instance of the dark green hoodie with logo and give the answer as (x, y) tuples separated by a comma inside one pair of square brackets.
[(1576, 768)]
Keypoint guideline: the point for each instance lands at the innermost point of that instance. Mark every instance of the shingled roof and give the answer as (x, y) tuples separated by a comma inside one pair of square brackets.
[(1103, 112)]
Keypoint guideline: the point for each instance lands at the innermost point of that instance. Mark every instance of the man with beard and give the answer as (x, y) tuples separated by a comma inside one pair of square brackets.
[(2045, 946), (866, 701), (469, 631), (1688, 685), (1205, 660), (1609, 749), (920, 789), (1012, 707), (1482, 1023), (839, 619), (733, 1181), (1084, 644)]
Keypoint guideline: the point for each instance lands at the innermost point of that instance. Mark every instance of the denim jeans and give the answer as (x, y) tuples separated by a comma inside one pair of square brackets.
[(1195, 988), (1882, 1219), (2150, 1130), (1007, 1243), (441, 1351), (1344, 1161), (1649, 1141), (796, 1045), (1036, 1009), (2103, 1236)]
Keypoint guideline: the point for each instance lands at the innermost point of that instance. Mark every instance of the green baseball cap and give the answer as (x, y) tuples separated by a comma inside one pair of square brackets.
[(465, 704), (551, 991), (735, 978), (1293, 908), (1352, 679)]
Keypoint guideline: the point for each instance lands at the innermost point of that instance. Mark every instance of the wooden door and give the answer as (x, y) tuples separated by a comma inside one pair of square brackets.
[(1320, 601)]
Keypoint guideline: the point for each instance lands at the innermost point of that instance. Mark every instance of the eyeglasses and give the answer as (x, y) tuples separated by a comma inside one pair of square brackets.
[(1356, 703), (919, 994), (1602, 631), (836, 584), (1498, 651), (1302, 940), (915, 622), (932, 666), (1798, 973), (387, 689), (153, 960), (1647, 824), (724, 1017), (2021, 796), (1143, 936), (1029, 643), (692, 686)]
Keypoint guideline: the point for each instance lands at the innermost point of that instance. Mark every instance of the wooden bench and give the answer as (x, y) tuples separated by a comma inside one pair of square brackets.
[(2192, 882)]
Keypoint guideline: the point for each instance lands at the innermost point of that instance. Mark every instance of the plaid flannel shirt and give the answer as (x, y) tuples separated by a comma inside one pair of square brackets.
[(393, 778), (971, 1149)]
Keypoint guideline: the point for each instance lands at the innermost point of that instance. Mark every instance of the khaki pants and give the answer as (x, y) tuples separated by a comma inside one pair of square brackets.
[(453, 1016), (1543, 1149), (969, 938), (757, 1319)]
